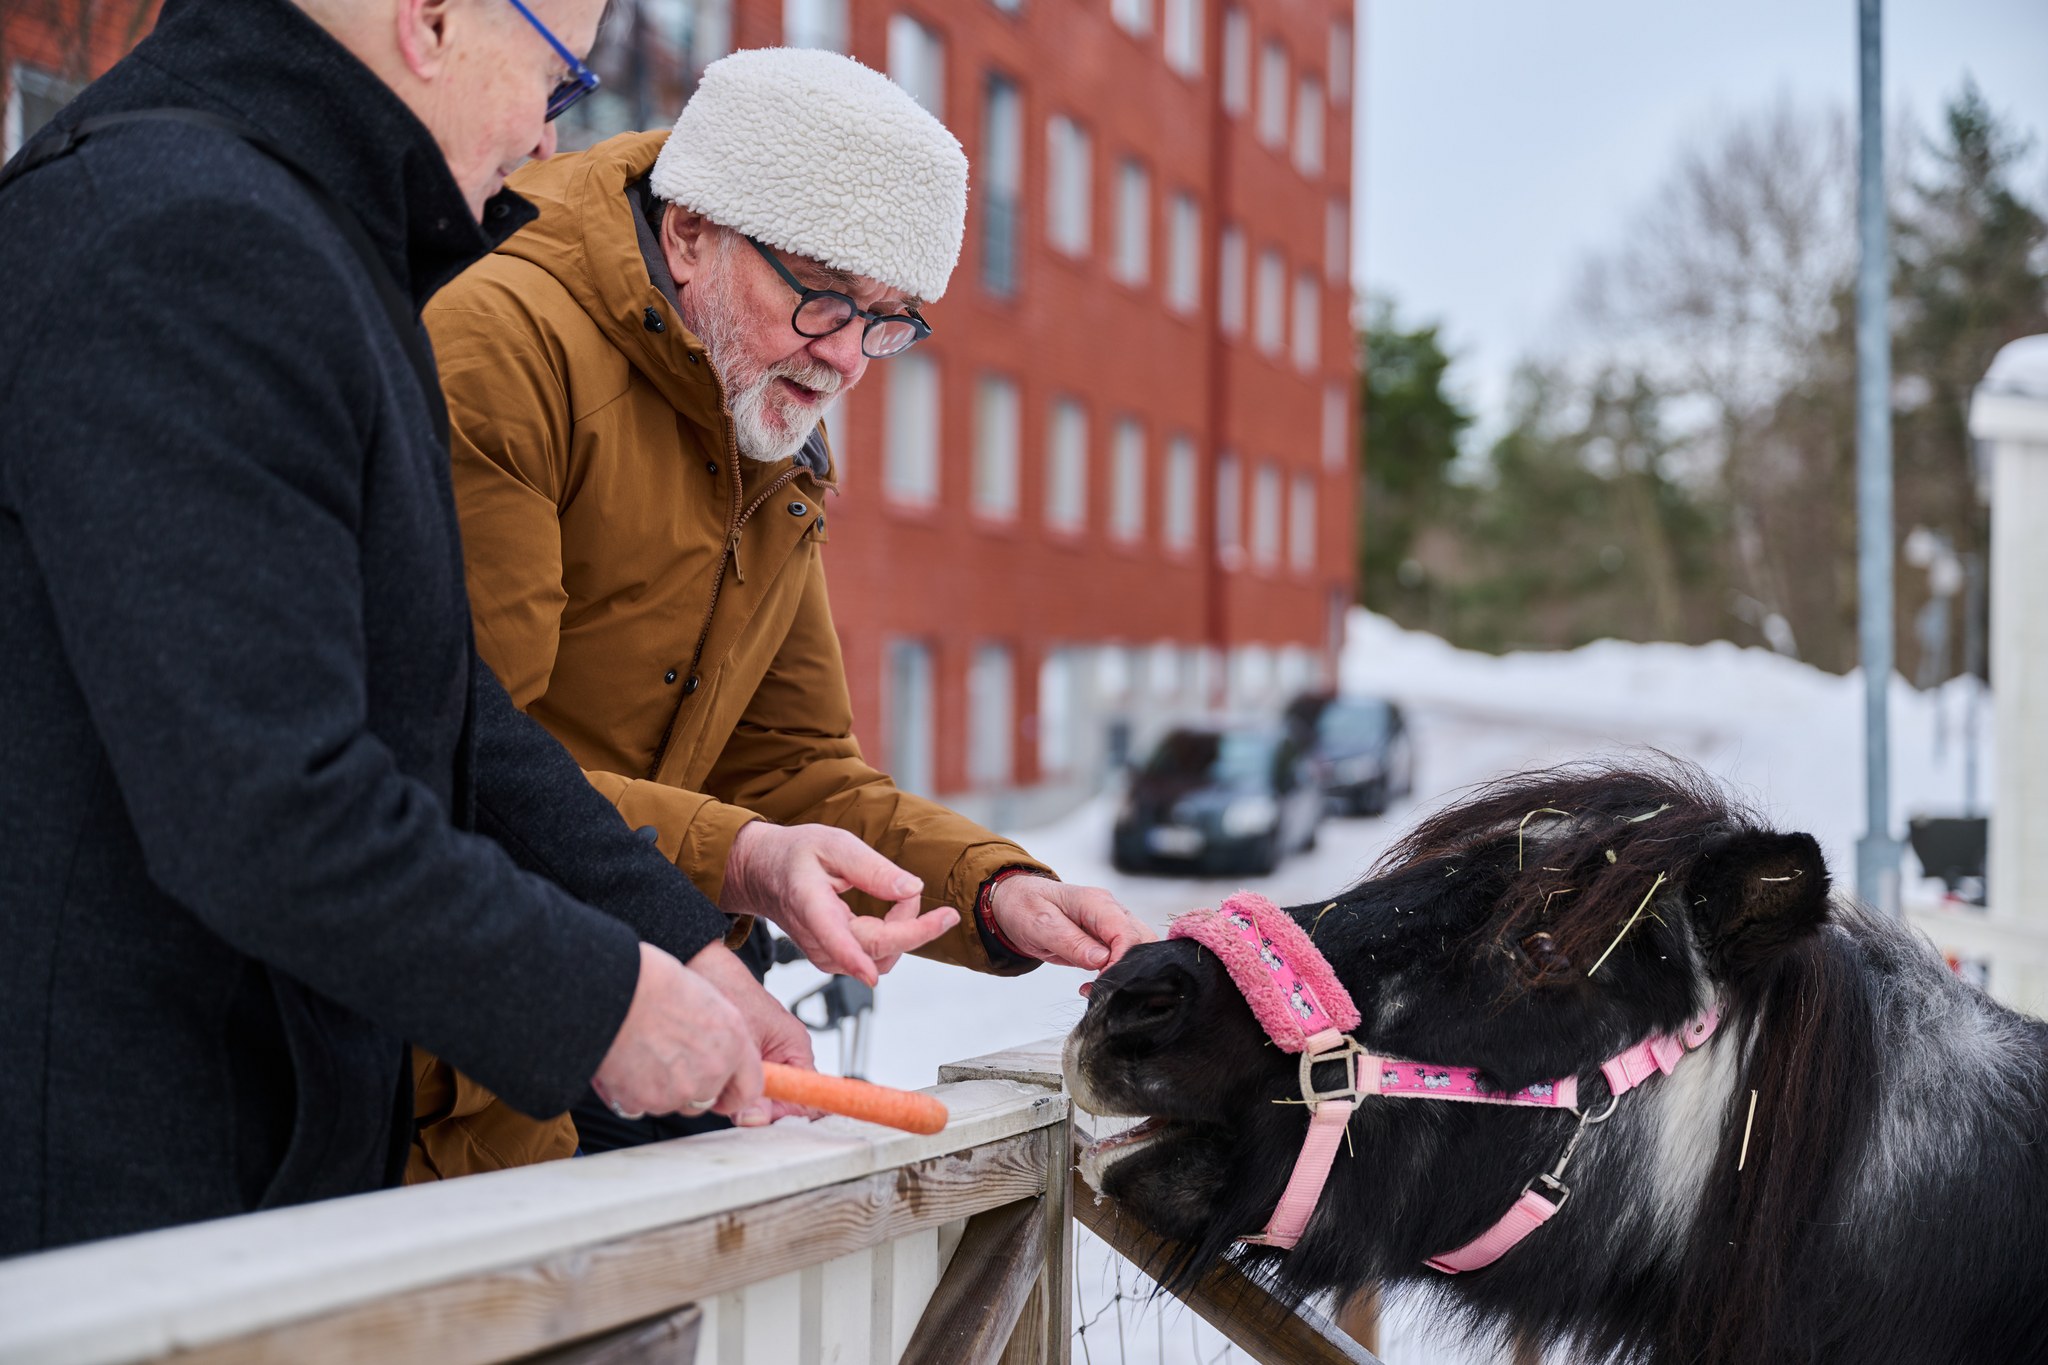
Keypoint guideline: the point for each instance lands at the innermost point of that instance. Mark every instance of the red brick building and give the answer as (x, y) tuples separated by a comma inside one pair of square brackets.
[(49, 49), (1116, 484)]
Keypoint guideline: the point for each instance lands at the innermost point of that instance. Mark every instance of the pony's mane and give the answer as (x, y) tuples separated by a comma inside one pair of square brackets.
[(1577, 846)]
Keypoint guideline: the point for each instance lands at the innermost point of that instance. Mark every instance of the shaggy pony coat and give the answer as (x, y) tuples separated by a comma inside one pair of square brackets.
[(1884, 1200)]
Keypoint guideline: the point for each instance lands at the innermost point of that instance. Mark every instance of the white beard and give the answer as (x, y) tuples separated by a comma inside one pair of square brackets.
[(766, 425)]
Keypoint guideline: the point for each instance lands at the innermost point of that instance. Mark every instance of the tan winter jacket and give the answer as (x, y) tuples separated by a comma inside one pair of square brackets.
[(653, 599)]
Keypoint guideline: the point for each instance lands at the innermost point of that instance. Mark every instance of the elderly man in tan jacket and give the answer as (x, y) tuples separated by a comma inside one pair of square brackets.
[(636, 383)]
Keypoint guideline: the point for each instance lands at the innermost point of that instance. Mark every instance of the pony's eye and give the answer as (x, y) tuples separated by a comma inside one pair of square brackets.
[(1543, 953)]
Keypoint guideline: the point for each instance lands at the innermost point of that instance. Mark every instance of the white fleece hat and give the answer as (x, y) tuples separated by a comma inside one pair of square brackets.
[(815, 154)]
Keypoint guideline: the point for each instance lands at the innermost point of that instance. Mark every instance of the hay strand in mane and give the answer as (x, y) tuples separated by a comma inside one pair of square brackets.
[(1523, 827), (1747, 1124), (1631, 919)]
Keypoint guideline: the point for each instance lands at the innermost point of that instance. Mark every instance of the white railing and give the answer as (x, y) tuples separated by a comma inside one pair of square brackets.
[(802, 1244)]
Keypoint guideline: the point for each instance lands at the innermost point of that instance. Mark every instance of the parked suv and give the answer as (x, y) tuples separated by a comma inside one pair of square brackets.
[(1363, 748), (1219, 797)]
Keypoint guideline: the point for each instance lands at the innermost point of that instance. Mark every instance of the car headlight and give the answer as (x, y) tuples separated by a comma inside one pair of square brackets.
[(1250, 815)]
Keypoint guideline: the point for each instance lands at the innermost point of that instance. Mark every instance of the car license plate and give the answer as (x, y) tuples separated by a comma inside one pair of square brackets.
[(1173, 841)]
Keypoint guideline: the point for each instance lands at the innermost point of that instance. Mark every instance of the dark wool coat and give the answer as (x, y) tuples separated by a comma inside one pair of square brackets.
[(245, 742)]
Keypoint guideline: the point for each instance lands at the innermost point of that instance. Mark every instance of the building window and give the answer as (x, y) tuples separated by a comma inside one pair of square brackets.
[(34, 97), (1001, 178), (1308, 321), (1162, 670), (1184, 36), (1230, 282), (1229, 513), (1269, 330), (917, 62), (1133, 222), (814, 23), (996, 419), (990, 723), (1336, 426), (1340, 61), (1180, 494), (1067, 174), (1273, 94), (1184, 254), (1237, 61), (1132, 16), (1266, 516), (1066, 472), (1127, 482), (911, 464), (1057, 714), (1308, 126), (1337, 243), (908, 687), (1301, 524)]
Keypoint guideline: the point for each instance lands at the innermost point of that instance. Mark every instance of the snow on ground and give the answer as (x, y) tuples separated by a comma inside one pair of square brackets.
[(1786, 736)]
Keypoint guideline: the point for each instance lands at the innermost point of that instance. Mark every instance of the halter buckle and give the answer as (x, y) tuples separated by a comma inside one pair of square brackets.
[(1348, 1048), (1559, 1191)]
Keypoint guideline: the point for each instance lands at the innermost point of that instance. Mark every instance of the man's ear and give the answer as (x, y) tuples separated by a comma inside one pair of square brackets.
[(685, 236), (423, 35), (1754, 894)]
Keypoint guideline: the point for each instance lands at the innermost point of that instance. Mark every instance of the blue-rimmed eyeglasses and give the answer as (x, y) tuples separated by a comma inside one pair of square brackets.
[(821, 312), (580, 81)]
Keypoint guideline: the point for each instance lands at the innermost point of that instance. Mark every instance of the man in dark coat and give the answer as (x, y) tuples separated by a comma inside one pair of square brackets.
[(266, 818)]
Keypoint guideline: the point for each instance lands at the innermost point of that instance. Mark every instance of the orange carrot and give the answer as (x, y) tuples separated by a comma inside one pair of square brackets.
[(905, 1109)]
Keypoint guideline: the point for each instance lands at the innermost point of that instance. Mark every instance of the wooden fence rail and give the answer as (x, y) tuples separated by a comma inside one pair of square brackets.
[(800, 1244)]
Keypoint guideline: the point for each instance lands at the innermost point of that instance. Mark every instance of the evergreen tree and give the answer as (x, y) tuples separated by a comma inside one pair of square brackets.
[(1409, 442)]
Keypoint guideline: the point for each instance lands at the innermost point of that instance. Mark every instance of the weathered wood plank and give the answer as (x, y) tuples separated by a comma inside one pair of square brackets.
[(1032, 1063), (137, 1298), (1225, 1298), (498, 1314), (667, 1340), (971, 1315)]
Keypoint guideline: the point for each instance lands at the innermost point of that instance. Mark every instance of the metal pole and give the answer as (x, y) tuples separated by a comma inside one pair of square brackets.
[(1877, 853)]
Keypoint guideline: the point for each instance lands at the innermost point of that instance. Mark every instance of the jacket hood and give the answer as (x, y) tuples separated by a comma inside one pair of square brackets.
[(585, 238)]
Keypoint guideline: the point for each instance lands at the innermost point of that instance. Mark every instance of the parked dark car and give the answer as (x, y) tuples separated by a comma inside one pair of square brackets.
[(1219, 797), (1362, 746)]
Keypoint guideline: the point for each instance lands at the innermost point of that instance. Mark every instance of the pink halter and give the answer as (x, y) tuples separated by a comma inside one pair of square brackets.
[(1297, 999)]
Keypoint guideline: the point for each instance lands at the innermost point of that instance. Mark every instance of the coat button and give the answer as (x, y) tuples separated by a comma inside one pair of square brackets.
[(711, 466), (651, 320), (819, 525), (669, 676), (691, 685), (797, 509), (691, 357)]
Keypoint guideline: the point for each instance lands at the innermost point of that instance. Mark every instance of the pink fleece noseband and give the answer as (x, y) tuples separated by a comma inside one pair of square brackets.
[(1296, 997)]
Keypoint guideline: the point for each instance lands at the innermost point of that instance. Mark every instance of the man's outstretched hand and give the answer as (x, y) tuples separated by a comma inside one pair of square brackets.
[(683, 1048), (792, 875), (1069, 926)]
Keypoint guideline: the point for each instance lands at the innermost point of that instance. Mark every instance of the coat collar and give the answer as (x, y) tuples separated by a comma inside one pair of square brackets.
[(268, 63)]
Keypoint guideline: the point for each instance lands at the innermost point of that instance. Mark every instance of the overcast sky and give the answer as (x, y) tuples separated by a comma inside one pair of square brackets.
[(1504, 140)]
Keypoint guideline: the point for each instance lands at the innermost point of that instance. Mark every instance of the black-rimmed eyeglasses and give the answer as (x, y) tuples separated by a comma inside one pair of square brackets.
[(580, 81), (821, 312)]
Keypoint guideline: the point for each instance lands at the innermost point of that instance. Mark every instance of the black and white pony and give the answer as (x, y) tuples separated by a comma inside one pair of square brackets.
[(1852, 1168)]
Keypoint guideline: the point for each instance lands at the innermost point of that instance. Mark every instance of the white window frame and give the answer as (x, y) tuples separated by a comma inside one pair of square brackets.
[(1265, 530), (1231, 281), (1308, 125), (1184, 254), (1132, 263), (910, 461), (1275, 93), (1341, 59), (917, 62), (991, 717), (1068, 164), (1269, 303), (1229, 505), (1307, 315), (1132, 16), (998, 446), (1301, 523), (1237, 61), (1336, 426), (1182, 23), (1127, 481), (1066, 466), (1337, 243), (815, 24), (913, 746), (1177, 516)]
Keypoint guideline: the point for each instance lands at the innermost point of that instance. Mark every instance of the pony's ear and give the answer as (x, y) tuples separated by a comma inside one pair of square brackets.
[(1754, 894)]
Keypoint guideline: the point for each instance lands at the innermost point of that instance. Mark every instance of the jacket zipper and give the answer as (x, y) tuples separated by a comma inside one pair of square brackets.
[(736, 522)]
